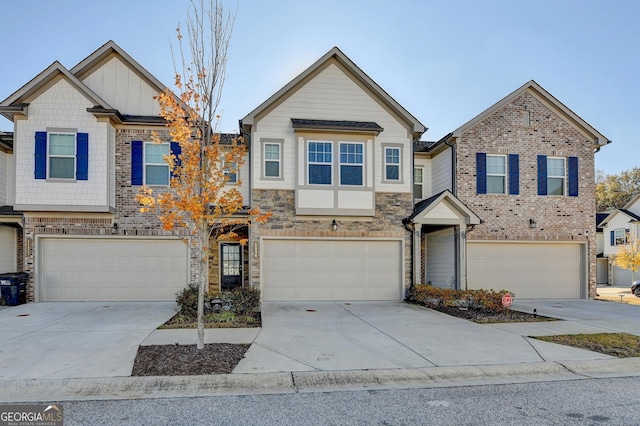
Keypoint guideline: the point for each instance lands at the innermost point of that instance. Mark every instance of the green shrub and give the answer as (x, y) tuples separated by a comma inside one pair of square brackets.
[(437, 297), (187, 300), (245, 300)]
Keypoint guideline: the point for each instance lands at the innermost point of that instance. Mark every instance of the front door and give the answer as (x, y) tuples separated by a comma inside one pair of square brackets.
[(231, 264)]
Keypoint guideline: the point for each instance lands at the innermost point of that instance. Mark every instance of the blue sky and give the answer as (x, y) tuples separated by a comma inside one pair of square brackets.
[(445, 61)]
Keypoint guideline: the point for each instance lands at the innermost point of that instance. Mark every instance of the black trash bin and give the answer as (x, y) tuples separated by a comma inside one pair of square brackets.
[(13, 287)]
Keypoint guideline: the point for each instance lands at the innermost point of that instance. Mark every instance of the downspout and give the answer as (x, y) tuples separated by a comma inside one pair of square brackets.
[(453, 163), (249, 201)]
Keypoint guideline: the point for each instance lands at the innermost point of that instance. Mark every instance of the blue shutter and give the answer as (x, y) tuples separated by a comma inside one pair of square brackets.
[(573, 176), (613, 238), (542, 175), (514, 174), (41, 155), (82, 156), (481, 173), (136, 163), (176, 150)]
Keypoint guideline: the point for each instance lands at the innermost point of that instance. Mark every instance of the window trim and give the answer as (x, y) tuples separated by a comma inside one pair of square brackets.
[(624, 238), (263, 172), (563, 177), (164, 163), (504, 176), (310, 163), (66, 132), (416, 168), (400, 179), (361, 164), (227, 172)]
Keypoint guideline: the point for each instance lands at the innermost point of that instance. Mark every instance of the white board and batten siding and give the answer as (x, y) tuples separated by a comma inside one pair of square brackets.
[(111, 269), (123, 89), (330, 95), (530, 270), (321, 269), (440, 258)]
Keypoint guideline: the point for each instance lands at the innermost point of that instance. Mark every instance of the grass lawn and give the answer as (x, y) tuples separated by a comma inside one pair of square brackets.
[(621, 345)]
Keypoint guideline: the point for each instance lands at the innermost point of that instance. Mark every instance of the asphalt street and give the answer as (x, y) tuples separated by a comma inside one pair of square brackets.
[(579, 402)]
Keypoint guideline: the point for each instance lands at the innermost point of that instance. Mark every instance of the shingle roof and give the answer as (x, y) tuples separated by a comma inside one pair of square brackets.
[(423, 146), (599, 218), (633, 215), (304, 123), (6, 140)]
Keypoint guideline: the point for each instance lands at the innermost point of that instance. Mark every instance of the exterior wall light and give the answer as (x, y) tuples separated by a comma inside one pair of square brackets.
[(334, 225), (532, 223), (114, 228)]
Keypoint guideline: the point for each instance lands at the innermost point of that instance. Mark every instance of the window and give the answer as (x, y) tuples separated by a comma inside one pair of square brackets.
[(351, 163), (156, 170), (392, 164), (230, 170), (320, 160), (272, 160), (555, 176), (62, 155), (496, 174), (620, 237), (418, 176)]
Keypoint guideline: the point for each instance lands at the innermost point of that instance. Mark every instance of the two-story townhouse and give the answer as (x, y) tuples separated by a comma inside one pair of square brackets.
[(619, 228), (331, 157), (525, 166)]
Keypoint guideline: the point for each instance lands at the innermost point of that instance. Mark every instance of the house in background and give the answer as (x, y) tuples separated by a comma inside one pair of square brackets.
[(618, 228), (361, 208), (602, 263)]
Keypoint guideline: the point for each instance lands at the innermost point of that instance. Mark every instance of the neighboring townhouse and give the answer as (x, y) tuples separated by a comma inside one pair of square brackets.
[(525, 166), (602, 263), (619, 228), (361, 208)]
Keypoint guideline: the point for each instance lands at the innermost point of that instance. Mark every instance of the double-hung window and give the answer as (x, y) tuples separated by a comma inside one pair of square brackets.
[(156, 169), (418, 181), (62, 155), (272, 160), (320, 157), (620, 237), (230, 171), (351, 163), (496, 174), (392, 164), (555, 176)]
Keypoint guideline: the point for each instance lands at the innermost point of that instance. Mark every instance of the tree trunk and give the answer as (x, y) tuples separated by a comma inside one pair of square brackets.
[(202, 281)]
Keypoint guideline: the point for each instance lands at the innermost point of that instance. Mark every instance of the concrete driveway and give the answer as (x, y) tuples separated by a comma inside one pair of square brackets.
[(307, 336), (50, 340)]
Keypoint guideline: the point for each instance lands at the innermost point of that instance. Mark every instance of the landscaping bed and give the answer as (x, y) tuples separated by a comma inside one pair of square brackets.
[(483, 316)]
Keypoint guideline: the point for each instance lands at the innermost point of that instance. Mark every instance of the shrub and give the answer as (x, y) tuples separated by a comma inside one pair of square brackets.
[(436, 297), (245, 300), (187, 300)]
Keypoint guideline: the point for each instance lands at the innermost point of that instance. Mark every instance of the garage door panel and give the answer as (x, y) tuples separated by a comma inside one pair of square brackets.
[(109, 269), (331, 270), (529, 270)]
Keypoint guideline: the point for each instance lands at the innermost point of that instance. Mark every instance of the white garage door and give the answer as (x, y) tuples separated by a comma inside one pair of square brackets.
[(623, 277), (109, 269), (7, 249), (331, 270), (529, 270)]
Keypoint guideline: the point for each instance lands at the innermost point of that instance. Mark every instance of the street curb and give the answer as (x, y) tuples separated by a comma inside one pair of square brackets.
[(310, 381)]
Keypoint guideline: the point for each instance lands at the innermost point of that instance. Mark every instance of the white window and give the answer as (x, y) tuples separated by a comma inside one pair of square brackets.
[(418, 181), (555, 176), (320, 158), (392, 164), (230, 171), (272, 160), (496, 174), (62, 155), (621, 237), (351, 163), (156, 169)]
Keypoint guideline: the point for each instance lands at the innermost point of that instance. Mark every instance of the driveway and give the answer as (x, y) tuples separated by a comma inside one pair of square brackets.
[(308, 336), (50, 340)]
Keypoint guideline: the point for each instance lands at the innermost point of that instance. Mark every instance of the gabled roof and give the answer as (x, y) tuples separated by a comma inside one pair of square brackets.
[(106, 52), (599, 218), (6, 141), (336, 54), (632, 216), (423, 207), (17, 102), (541, 94), (632, 201)]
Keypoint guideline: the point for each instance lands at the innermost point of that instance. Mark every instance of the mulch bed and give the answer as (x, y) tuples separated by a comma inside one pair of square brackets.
[(483, 316), (187, 360), (178, 321)]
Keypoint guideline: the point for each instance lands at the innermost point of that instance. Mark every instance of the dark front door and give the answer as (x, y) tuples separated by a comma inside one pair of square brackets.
[(231, 264)]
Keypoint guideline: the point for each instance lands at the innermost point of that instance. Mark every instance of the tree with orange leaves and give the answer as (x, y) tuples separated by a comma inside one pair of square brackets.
[(199, 199), (628, 255)]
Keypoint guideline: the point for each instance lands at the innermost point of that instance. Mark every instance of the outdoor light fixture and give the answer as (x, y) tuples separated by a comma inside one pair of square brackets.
[(114, 228), (532, 223), (334, 225)]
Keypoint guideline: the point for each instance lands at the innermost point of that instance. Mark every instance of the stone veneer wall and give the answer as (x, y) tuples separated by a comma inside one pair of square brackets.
[(506, 217), (391, 208)]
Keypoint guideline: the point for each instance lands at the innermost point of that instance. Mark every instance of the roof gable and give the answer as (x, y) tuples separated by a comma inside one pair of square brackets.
[(443, 208), (336, 56), (545, 97)]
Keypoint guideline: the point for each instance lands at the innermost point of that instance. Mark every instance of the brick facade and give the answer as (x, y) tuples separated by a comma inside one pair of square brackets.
[(506, 217), (391, 208)]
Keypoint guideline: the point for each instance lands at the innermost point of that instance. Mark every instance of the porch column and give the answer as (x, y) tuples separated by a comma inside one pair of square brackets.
[(417, 254), (462, 243)]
